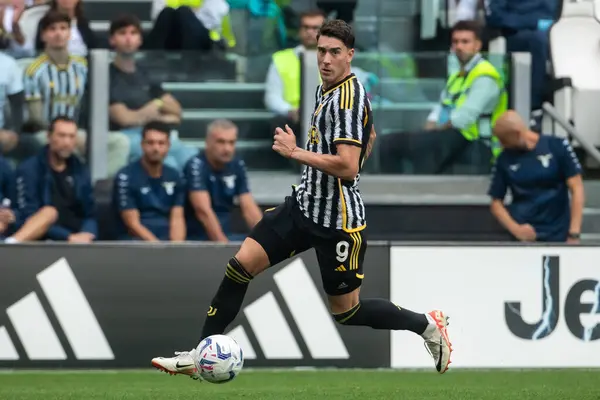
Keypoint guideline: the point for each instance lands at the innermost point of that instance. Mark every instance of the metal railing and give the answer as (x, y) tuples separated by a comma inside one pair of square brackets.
[(571, 130)]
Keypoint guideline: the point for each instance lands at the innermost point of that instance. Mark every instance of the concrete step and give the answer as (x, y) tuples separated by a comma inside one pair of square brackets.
[(234, 96)]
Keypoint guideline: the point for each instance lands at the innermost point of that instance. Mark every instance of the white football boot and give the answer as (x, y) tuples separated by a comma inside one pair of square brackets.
[(183, 364), (437, 341)]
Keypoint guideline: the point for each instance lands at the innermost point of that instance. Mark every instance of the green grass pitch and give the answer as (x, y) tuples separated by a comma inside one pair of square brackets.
[(299, 385)]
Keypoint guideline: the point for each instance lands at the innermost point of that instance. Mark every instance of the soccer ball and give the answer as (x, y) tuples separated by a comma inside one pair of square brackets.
[(219, 359)]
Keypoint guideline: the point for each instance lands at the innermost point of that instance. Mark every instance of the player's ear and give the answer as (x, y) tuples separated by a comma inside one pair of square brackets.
[(350, 55)]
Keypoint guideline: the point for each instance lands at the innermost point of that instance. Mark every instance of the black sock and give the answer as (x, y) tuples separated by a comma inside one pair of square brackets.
[(229, 298), (383, 314)]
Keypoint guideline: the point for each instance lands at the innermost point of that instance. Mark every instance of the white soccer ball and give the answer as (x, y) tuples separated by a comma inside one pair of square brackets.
[(219, 359)]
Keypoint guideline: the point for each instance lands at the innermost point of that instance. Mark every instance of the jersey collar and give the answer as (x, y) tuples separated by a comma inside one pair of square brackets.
[(337, 85)]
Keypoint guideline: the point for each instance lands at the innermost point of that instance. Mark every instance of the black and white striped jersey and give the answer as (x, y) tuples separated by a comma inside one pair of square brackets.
[(342, 115), (60, 88)]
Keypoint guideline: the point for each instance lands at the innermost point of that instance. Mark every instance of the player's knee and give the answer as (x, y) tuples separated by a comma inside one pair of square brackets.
[(347, 317), (236, 272)]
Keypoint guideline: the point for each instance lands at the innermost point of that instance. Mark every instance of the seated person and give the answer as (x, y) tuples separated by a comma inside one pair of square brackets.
[(55, 197), (544, 178), (149, 195), (55, 84), (190, 25), (11, 96), (215, 178), (7, 197), (473, 99), (525, 24), (135, 99)]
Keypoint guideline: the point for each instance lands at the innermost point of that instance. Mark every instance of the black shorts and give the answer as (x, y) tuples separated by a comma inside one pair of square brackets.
[(284, 232)]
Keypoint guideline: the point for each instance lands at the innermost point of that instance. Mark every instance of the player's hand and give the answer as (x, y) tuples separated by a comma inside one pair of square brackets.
[(525, 233), (6, 216), (284, 142)]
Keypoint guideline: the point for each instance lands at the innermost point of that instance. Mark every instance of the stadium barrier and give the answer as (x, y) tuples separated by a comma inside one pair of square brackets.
[(119, 305)]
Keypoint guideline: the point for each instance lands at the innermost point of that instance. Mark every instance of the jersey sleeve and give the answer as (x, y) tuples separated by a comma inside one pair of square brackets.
[(498, 183), (195, 176), (567, 159), (242, 179), (125, 200), (350, 115)]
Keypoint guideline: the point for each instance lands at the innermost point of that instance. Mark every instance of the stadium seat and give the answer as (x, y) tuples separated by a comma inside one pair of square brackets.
[(104, 211), (30, 20), (575, 55)]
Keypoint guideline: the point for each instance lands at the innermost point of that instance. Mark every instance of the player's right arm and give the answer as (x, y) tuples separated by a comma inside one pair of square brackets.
[(201, 202), (497, 191), (128, 211)]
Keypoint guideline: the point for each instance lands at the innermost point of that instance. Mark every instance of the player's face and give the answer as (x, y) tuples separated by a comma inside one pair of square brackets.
[(309, 29), (334, 59), (220, 145), (63, 139), (465, 45), (126, 40), (57, 35), (155, 146)]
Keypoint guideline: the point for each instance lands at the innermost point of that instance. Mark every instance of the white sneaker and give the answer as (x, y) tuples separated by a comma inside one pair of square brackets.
[(183, 363), (437, 341)]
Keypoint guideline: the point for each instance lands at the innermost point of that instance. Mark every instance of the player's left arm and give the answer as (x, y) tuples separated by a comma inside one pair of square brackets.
[(571, 168), (177, 227)]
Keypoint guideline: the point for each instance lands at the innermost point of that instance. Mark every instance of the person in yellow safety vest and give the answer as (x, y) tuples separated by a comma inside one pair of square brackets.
[(283, 89), (458, 131), (198, 25)]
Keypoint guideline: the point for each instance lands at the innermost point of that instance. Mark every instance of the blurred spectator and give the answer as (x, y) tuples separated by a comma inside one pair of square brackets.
[(8, 196), (283, 91), (11, 37), (55, 84), (82, 37), (11, 91), (541, 172), (473, 99), (54, 191), (135, 99), (344, 9), (215, 179), (525, 24), (190, 25), (149, 195)]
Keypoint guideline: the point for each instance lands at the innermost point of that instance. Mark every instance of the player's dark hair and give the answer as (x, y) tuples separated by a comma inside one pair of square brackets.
[(53, 17), (341, 30), (470, 26), (156, 126), (78, 8), (125, 21), (60, 118), (312, 13)]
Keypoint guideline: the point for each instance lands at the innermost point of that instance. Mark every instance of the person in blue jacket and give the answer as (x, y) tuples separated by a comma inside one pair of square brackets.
[(543, 175), (7, 197), (55, 198), (148, 195), (216, 180), (525, 24)]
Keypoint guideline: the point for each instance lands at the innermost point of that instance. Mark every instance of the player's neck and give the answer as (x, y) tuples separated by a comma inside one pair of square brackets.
[(125, 62), (153, 169), (334, 83), (58, 56), (216, 165), (531, 140)]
